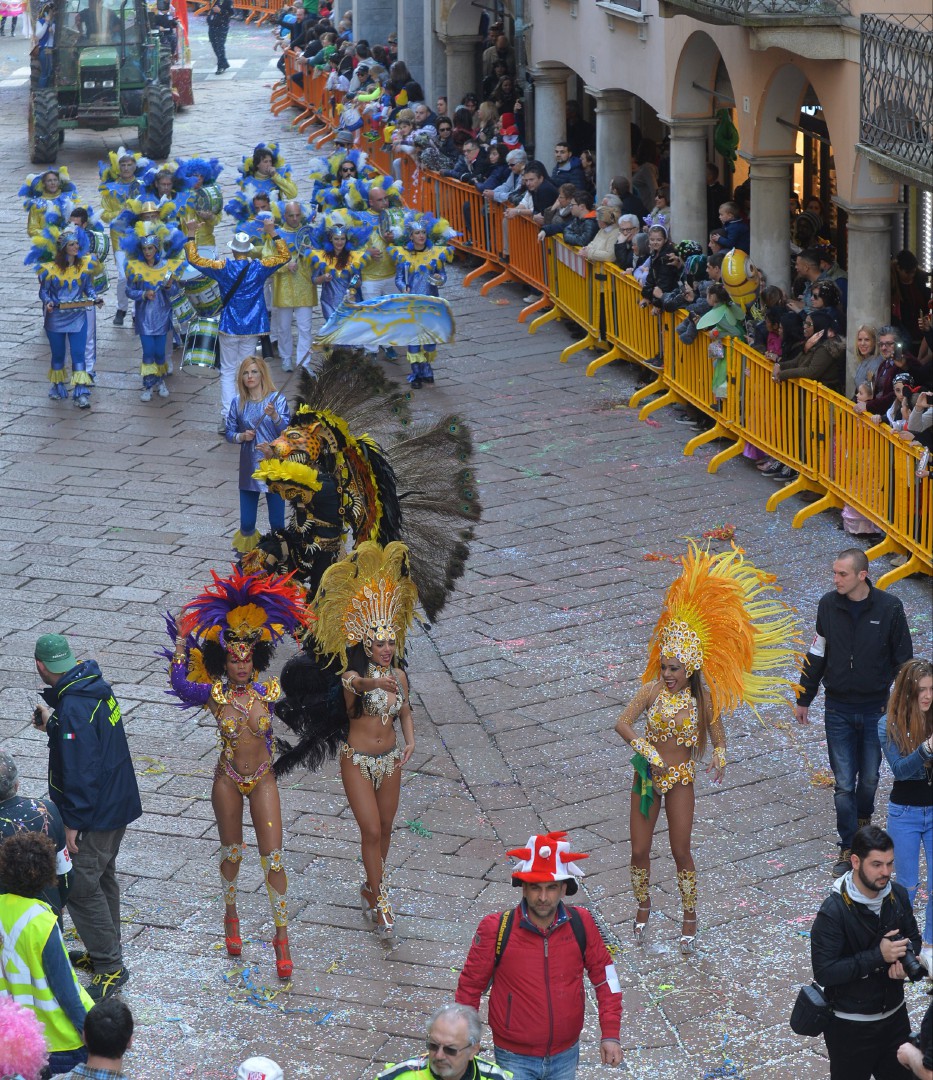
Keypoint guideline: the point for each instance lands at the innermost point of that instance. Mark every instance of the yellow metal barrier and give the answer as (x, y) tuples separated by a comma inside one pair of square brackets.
[(837, 454)]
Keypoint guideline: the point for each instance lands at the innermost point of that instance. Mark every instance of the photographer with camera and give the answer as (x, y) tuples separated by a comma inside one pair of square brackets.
[(863, 945)]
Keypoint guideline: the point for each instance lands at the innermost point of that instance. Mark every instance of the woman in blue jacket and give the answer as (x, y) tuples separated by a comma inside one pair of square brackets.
[(906, 736)]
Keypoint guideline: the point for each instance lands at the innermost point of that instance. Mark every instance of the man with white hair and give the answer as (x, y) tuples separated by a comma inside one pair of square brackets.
[(516, 161), (452, 1044)]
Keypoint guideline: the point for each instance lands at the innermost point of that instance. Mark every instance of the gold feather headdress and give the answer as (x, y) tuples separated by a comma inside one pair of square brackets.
[(721, 616), (368, 596)]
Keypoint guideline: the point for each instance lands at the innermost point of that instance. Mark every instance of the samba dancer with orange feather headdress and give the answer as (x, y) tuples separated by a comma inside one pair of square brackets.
[(223, 638), (722, 623)]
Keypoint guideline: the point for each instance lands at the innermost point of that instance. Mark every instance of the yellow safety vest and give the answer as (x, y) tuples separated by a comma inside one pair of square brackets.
[(25, 926)]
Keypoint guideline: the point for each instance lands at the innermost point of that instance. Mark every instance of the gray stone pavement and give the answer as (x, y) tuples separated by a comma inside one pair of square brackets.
[(114, 516)]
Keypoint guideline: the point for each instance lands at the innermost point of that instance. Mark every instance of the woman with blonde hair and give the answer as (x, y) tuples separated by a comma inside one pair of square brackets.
[(486, 120), (906, 735), (258, 414)]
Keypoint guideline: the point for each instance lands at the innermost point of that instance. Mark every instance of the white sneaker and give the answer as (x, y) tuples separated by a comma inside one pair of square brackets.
[(287, 365), (145, 395), (163, 390)]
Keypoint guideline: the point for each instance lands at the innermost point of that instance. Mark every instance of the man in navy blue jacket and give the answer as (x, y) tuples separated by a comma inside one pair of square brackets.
[(93, 784)]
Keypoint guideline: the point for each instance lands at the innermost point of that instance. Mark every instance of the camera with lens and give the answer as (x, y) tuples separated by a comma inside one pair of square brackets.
[(913, 968)]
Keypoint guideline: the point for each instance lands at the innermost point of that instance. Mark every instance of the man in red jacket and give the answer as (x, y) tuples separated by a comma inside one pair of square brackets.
[(534, 958)]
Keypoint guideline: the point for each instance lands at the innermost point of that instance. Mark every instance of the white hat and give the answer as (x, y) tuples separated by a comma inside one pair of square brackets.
[(242, 244), (259, 1068)]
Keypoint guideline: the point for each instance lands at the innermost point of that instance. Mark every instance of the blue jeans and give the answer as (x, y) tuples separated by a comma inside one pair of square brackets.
[(249, 508), (910, 827), (855, 758), (562, 1066)]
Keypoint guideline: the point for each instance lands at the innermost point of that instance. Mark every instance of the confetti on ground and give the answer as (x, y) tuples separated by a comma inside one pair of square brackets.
[(651, 423), (417, 827), (659, 556), (242, 989), (721, 532), (502, 303), (154, 767)]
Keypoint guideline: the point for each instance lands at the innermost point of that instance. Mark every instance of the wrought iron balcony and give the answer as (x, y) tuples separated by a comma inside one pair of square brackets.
[(765, 13), (896, 128)]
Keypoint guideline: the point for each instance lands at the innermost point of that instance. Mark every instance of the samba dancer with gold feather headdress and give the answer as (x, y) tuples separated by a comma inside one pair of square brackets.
[(722, 623), (223, 639), (363, 610)]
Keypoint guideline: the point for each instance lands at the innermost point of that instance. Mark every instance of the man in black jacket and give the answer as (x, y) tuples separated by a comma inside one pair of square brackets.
[(93, 784), (862, 638), (472, 166), (857, 942)]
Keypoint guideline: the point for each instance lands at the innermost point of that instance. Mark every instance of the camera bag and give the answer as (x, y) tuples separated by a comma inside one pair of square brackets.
[(811, 1013)]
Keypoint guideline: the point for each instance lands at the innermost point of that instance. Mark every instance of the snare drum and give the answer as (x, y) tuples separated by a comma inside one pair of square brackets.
[(204, 294), (201, 346), (182, 309), (100, 244), (101, 281), (207, 197)]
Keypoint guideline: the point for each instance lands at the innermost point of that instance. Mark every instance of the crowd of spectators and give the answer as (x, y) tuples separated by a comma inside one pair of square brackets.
[(482, 142)]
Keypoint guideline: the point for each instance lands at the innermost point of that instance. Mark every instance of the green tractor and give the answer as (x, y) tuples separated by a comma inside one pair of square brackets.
[(105, 68)]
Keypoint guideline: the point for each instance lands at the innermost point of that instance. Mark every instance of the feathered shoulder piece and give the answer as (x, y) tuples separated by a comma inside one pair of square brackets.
[(722, 616), (367, 596), (189, 169)]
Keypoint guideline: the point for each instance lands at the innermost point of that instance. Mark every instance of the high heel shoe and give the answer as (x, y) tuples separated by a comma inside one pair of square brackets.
[(385, 916), (283, 964), (640, 929), (688, 941), (232, 938), (368, 909)]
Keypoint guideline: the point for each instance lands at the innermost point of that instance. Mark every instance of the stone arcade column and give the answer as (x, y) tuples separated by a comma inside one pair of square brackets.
[(373, 20), (613, 136), (412, 40), (869, 301), (461, 67), (770, 189), (550, 110), (688, 178)]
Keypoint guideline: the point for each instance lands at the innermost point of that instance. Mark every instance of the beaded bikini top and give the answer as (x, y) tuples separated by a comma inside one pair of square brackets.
[(663, 722), (376, 702)]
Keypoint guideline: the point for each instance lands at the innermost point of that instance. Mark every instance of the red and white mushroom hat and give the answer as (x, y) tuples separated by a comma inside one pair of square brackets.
[(547, 858)]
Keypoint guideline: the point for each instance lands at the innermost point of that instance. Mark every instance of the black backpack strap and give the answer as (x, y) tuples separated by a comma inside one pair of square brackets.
[(506, 919), (578, 928), (225, 299)]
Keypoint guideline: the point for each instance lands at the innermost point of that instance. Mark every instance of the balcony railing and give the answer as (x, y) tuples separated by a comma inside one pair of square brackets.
[(897, 92), (766, 12)]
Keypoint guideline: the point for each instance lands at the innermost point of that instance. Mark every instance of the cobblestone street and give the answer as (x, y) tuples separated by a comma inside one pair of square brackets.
[(115, 515)]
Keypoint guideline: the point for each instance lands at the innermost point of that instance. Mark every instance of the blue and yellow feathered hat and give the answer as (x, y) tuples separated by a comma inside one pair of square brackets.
[(356, 192), (281, 165), (169, 240), (189, 169), (326, 225), (109, 170), (32, 189), (47, 244)]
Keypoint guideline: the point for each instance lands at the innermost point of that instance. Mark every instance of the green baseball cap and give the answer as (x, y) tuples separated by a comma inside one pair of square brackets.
[(55, 652)]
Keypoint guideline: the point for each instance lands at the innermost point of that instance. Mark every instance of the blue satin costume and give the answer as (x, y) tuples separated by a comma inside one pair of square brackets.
[(67, 327), (249, 416), (245, 314)]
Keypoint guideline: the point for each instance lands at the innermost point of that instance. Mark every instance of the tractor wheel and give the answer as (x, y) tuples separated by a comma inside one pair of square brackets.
[(155, 139), (165, 66), (44, 134)]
